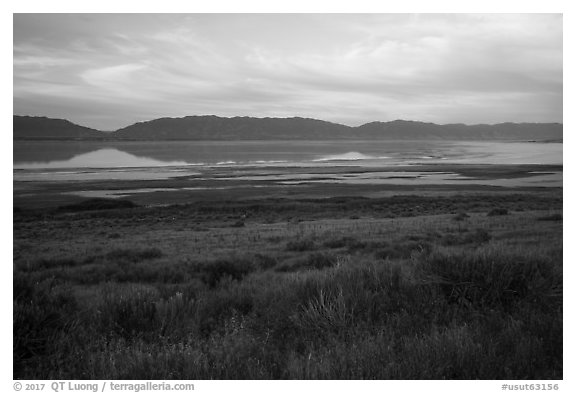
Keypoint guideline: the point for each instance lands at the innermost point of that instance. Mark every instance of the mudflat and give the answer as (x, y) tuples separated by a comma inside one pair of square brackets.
[(171, 185)]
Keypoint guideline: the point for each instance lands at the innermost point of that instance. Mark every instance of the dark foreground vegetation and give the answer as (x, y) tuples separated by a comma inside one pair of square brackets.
[(397, 288)]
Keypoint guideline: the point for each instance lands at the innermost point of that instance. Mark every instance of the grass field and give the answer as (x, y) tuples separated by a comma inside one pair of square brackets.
[(460, 287)]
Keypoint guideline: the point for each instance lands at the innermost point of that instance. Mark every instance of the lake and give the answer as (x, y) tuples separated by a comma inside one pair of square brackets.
[(67, 154), (216, 165)]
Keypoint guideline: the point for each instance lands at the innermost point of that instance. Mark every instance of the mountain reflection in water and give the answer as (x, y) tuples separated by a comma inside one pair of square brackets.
[(102, 158), (51, 154)]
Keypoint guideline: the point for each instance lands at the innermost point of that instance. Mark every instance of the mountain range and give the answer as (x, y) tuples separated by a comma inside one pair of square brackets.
[(251, 128)]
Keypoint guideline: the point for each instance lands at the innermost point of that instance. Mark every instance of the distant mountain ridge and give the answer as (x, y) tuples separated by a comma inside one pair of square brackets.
[(295, 128), (30, 127)]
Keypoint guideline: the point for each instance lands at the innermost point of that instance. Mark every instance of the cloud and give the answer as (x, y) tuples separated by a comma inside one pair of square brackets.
[(117, 78), (349, 68)]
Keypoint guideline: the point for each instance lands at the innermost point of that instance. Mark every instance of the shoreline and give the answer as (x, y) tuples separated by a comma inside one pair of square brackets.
[(236, 183)]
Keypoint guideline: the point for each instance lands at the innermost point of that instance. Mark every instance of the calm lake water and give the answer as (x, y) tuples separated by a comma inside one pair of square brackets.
[(69, 155), (88, 161)]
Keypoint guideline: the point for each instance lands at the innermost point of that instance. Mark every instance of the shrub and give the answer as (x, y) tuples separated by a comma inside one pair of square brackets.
[(238, 224), (48, 263), (402, 250), (190, 289), (489, 277), (499, 211), (317, 260), (324, 313), (42, 313), (321, 260), (216, 306), (339, 242), (264, 261), (134, 255), (128, 311), (236, 269), (460, 217), (552, 217), (351, 243), (301, 245), (479, 236), (173, 314)]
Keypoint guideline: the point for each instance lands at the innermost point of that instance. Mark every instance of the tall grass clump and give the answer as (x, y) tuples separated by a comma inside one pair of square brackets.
[(301, 245), (234, 268), (174, 315), (128, 311), (325, 312), (315, 260), (551, 217), (492, 277), (477, 237), (42, 314), (134, 255), (498, 211)]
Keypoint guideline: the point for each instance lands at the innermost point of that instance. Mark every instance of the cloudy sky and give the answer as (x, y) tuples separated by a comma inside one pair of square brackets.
[(110, 70)]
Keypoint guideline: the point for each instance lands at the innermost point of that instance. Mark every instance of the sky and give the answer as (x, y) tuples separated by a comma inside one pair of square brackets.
[(107, 71)]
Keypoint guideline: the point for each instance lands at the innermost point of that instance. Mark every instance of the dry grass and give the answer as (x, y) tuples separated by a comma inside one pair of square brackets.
[(421, 297)]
